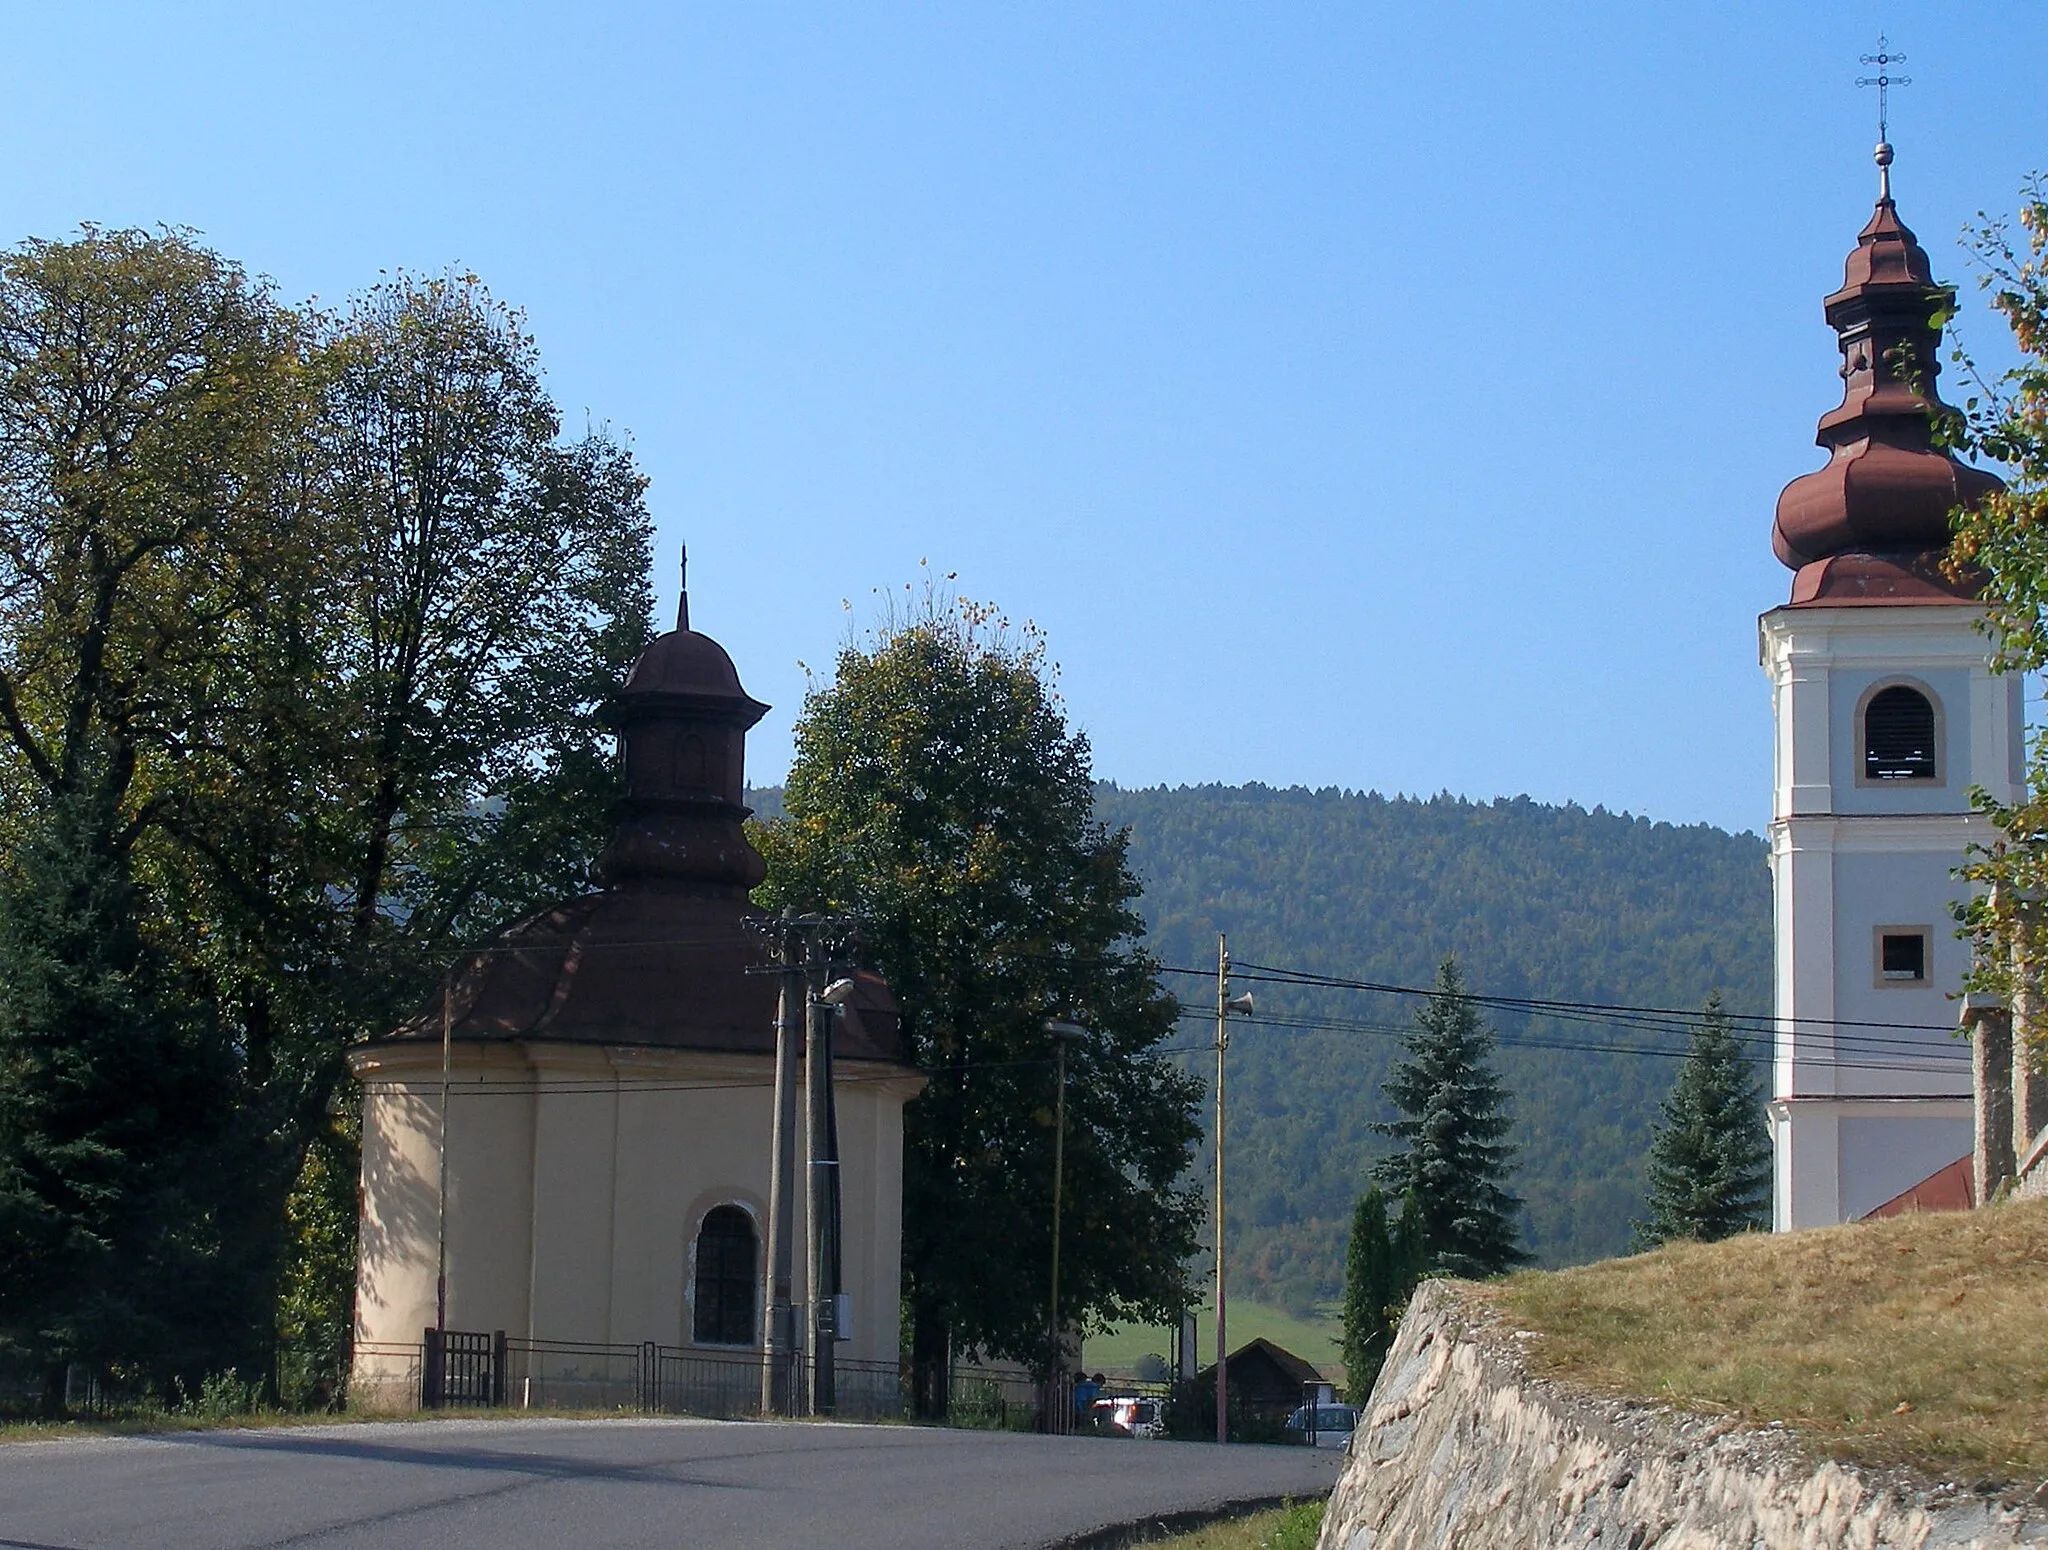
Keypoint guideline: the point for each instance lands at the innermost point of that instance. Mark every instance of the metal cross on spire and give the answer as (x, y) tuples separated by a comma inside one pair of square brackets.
[(1884, 81)]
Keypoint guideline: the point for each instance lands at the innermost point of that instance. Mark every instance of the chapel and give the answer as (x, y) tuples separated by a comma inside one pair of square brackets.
[(1886, 715), (568, 1157)]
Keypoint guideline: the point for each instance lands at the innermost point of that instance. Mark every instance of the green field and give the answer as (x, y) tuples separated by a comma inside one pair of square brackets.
[(1314, 1340)]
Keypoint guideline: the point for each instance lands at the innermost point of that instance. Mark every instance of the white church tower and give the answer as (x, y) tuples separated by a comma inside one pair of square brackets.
[(1886, 715)]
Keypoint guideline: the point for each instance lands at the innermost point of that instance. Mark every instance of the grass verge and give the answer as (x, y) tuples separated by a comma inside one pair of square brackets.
[(1919, 1341), (1289, 1528)]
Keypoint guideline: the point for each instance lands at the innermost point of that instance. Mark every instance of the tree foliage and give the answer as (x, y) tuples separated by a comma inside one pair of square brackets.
[(1455, 1159), (1381, 1268), (305, 620), (938, 793), (2003, 544), (1710, 1164)]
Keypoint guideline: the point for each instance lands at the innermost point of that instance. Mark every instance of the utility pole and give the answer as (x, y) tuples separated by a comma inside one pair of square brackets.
[(1222, 1043), (821, 1221), (1226, 1003), (1063, 1034), (779, 1343)]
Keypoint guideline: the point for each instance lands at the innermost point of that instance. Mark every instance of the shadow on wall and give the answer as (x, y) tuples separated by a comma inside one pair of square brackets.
[(407, 1200)]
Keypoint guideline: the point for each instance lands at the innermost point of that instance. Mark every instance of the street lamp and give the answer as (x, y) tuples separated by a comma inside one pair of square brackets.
[(1063, 1034)]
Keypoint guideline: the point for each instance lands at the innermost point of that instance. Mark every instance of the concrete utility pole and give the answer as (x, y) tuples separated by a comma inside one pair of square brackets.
[(779, 1343), (1222, 1043), (1063, 1034), (1225, 1005), (822, 1219)]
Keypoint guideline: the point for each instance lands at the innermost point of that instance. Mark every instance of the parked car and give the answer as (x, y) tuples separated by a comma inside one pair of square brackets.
[(1127, 1415), (1332, 1425)]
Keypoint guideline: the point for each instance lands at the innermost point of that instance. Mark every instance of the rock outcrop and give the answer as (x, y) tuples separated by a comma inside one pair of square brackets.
[(1461, 1449)]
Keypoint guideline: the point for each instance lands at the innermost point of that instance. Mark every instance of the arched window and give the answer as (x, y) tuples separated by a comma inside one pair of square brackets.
[(1898, 736), (725, 1278)]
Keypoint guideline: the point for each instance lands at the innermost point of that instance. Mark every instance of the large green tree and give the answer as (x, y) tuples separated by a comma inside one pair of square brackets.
[(1454, 1158), (312, 615), (1710, 1160), (155, 529), (938, 793)]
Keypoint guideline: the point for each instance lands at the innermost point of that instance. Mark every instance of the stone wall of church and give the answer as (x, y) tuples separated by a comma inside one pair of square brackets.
[(1459, 1446)]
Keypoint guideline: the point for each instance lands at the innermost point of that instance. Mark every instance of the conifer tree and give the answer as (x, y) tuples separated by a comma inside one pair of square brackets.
[(113, 1111), (1454, 1124), (1710, 1163), (1381, 1270)]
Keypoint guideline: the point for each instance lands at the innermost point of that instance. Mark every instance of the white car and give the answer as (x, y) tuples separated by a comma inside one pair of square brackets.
[(1332, 1425)]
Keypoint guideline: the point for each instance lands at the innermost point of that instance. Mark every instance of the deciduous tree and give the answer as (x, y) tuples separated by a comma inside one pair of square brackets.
[(938, 793)]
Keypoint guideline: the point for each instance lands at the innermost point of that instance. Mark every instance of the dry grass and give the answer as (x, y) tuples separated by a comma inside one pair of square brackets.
[(1921, 1341)]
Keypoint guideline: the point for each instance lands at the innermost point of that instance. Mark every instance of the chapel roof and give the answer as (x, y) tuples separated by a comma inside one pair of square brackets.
[(668, 952), (1872, 526)]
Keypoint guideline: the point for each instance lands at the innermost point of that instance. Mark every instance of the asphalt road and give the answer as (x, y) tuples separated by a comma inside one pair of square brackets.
[(508, 1485)]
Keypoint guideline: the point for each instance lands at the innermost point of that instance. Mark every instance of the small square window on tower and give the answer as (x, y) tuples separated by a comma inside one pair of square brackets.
[(1902, 954)]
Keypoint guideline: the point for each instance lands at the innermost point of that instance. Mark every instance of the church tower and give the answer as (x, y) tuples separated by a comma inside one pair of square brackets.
[(1886, 715)]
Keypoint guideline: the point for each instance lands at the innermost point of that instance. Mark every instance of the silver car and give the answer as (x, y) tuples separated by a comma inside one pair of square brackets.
[(1326, 1426)]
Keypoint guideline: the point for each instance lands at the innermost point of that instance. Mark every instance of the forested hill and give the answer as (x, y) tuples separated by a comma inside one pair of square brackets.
[(1553, 903)]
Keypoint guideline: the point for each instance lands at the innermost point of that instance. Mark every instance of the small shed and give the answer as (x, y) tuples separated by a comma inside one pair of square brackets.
[(1268, 1381)]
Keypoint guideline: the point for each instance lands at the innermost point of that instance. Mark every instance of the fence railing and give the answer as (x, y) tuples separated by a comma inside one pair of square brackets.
[(479, 1369)]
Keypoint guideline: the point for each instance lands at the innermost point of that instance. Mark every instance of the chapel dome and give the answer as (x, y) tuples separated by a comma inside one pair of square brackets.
[(684, 662), (1872, 526), (668, 951)]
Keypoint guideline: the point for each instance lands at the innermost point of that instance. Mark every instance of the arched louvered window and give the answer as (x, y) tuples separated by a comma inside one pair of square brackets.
[(1898, 736), (726, 1276)]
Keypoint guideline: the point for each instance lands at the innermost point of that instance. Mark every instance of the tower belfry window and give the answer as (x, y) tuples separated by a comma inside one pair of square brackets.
[(1898, 736)]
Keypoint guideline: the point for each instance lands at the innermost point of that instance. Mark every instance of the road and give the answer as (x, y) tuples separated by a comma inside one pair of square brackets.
[(629, 1484)]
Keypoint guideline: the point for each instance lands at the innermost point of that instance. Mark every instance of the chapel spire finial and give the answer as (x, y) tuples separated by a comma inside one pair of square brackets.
[(683, 570), (1884, 81)]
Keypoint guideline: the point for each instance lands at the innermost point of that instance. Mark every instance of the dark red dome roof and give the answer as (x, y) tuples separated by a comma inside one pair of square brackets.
[(1873, 525), (684, 662)]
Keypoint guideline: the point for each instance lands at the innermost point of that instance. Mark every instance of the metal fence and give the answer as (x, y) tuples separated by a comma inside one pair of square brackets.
[(479, 1369)]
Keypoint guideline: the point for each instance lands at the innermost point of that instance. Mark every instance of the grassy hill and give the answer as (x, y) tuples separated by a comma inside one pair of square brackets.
[(1920, 1340)]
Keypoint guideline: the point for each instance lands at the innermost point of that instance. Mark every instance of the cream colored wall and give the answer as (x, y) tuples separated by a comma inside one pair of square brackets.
[(577, 1180)]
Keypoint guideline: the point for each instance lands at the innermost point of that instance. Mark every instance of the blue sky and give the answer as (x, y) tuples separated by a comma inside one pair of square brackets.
[(1386, 396)]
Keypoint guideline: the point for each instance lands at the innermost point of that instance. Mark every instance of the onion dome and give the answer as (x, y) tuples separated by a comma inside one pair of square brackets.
[(1873, 525)]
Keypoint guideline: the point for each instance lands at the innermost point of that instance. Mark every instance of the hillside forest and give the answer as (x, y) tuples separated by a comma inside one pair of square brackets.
[(1535, 901)]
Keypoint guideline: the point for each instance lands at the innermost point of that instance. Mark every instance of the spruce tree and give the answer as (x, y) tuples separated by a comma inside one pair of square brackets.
[(1455, 1159), (1710, 1162)]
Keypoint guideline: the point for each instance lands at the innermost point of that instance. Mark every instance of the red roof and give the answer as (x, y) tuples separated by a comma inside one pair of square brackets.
[(1872, 526), (1951, 1189)]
